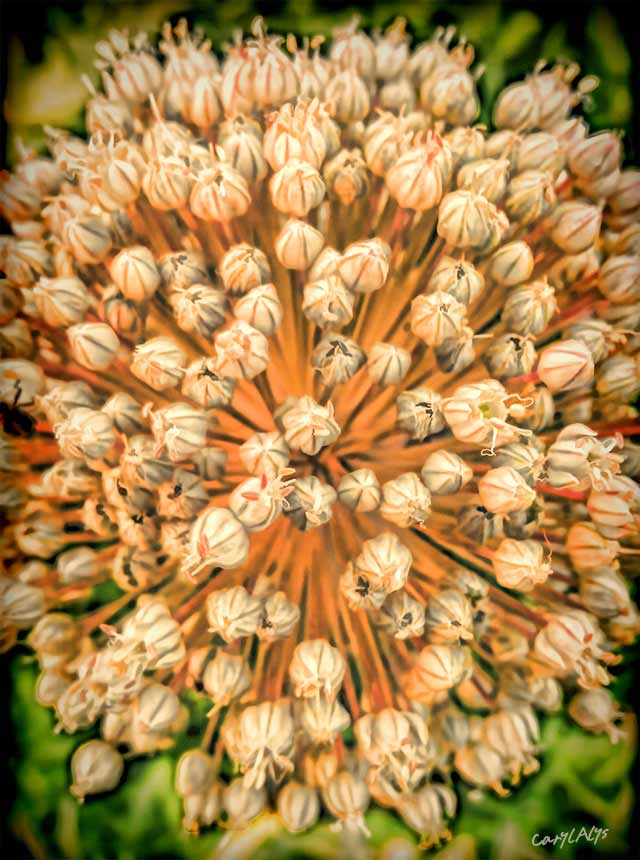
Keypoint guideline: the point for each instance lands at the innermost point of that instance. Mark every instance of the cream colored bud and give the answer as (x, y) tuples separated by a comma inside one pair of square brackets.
[(205, 386), (77, 565), (436, 317), (265, 454), (183, 269), (325, 264), (194, 773), (511, 264), (401, 616), (504, 490), (296, 188), (337, 359), (227, 677), (279, 618), (626, 197), (308, 426), (384, 563), (323, 721), (588, 549), (346, 176), (87, 238), (327, 302), (596, 156), (488, 176), (265, 735), (347, 798), (242, 804), (316, 667), (520, 564), (217, 538), (298, 244), (405, 501), (21, 605), (85, 433), (135, 273), (298, 807), (530, 196), (458, 278), (294, 132), (220, 194), (50, 686), (438, 668), (445, 473), (156, 709), (481, 766), (233, 613), (349, 95), (419, 177), (565, 365), (242, 146), (359, 491), (61, 301), (539, 151), (597, 711), (387, 364), (210, 463), (364, 265), (605, 593), (449, 617), (243, 268), (179, 430), (310, 504), (242, 352), (96, 767), (468, 220), (426, 812), (619, 378), (93, 345), (420, 412), (257, 502), (575, 226), (261, 308), (158, 362), (619, 279)]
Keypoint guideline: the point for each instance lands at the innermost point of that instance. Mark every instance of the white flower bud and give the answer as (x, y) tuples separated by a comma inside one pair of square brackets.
[(327, 302), (217, 538), (308, 426), (597, 711), (437, 316), (458, 278), (265, 735), (205, 386), (156, 709), (219, 194), (619, 279), (242, 804), (87, 238), (85, 433), (310, 503), (449, 617), (468, 220), (419, 177), (387, 364), (265, 454), (438, 668), (349, 95), (96, 767), (445, 473), (504, 490), (384, 563), (420, 412), (61, 301), (588, 549), (316, 667), (179, 430), (530, 196), (126, 413), (279, 618), (93, 345), (135, 273), (337, 359), (242, 352), (405, 500), (575, 226), (323, 720), (21, 605), (227, 677), (199, 309), (261, 308), (298, 244), (401, 616), (243, 268), (159, 363), (364, 265), (520, 564), (233, 613), (257, 501), (510, 264), (347, 799), (296, 188), (298, 806), (487, 176), (77, 565), (529, 308), (359, 491), (565, 365)]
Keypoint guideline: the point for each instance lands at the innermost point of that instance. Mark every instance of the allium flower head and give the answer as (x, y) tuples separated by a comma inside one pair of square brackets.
[(334, 385)]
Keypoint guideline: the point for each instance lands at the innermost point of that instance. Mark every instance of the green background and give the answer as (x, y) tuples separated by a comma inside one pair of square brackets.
[(584, 780)]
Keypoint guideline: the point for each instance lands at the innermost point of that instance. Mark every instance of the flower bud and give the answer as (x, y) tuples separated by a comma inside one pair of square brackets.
[(458, 278), (242, 352), (93, 345), (61, 301), (445, 473), (605, 593), (242, 145), (183, 269), (194, 773), (242, 804), (243, 268), (126, 413), (205, 386), (327, 302), (227, 677), (565, 365), (219, 194), (180, 430), (530, 196), (87, 238), (337, 359), (364, 265), (597, 711), (420, 413), (359, 491), (347, 799), (316, 668), (217, 538), (96, 767), (311, 502), (387, 364), (384, 563), (436, 317), (85, 433), (279, 618), (468, 220), (298, 244), (200, 309), (265, 454), (123, 315), (540, 151), (587, 549), (575, 226), (159, 363), (488, 176), (510, 264), (233, 613), (349, 95), (21, 605), (261, 308), (308, 426), (626, 197), (481, 766), (298, 807), (346, 176), (619, 279), (439, 668), (296, 188), (405, 501), (529, 308), (419, 177), (167, 184), (401, 616), (520, 564), (135, 273)]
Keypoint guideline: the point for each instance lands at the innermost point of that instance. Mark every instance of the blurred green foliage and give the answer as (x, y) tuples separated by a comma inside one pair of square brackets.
[(584, 780)]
